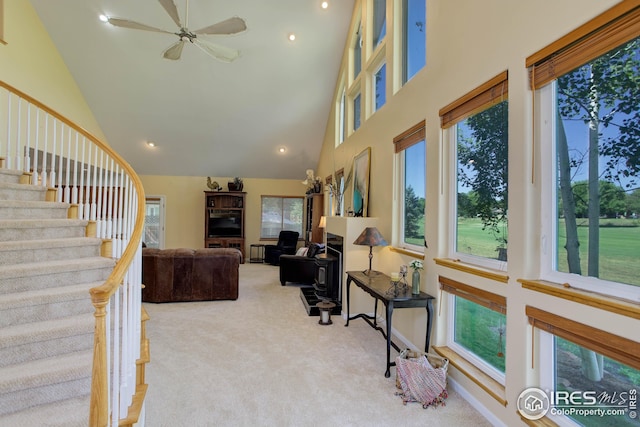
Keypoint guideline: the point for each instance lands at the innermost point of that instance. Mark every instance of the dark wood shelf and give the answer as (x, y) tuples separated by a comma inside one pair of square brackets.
[(224, 217)]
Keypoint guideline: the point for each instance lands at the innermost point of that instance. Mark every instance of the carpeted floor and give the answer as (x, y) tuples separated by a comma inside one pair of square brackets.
[(262, 361)]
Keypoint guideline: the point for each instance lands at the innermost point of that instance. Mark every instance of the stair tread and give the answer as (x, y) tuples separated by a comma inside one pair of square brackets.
[(66, 413), (68, 242), (46, 330), (51, 295), (40, 372), (54, 266), (33, 204), (15, 172), (25, 187), (42, 223)]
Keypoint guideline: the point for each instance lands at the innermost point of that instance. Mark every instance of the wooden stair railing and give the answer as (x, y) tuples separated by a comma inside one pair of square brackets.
[(80, 169)]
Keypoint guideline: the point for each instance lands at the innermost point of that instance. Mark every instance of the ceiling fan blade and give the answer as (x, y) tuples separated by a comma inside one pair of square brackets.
[(174, 51), (172, 10), (125, 23), (230, 26), (221, 53)]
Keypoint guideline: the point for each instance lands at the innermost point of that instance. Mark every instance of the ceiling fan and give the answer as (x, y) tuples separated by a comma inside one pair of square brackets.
[(227, 27)]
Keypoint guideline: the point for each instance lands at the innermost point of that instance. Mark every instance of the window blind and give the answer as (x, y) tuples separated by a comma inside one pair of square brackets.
[(605, 32), (411, 136), (481, 297), (492, 92), (613, 346)]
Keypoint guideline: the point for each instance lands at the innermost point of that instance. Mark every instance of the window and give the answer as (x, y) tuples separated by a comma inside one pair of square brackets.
[(342, 127), (280, 213), (410, 148), (356, 112), (579, 358), (589, 105), (479, 129), (414, 37), (153, 236), (477, 327), (379, 21), (357, 53), (380, 81)]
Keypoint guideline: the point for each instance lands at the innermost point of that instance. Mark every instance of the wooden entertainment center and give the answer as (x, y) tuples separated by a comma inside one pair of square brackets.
[(224, 220)]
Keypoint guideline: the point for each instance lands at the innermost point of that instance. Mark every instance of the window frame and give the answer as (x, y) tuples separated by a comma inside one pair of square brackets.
[(480, 99), (357, 45), (355, 118), (374, 92), (301, 231), (547, 325), (545, 96), (404, 59), (412, 136), (481, 298), (611, 29), (470, 356), (374, 7), (341, 113)]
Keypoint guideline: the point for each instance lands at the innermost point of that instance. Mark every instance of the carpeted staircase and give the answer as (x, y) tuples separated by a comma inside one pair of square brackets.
[(47, 267)]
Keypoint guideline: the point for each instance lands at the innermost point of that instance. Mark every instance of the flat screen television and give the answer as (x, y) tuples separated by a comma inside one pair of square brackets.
[(225, 223)]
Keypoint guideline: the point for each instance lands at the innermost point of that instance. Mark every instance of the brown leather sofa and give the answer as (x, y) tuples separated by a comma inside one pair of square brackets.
[(174, 275)]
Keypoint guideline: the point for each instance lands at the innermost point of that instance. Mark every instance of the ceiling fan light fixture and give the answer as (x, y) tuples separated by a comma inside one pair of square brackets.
[(230, 26), (104, 18)]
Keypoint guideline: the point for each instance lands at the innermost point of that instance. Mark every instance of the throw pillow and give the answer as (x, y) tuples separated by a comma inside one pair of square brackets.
[(313, 250), (302, 251)]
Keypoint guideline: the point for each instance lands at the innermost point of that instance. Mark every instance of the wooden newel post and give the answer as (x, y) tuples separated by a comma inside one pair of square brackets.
[(99, 409)]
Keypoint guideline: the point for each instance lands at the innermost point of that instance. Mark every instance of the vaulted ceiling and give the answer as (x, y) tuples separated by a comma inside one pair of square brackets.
[(206, 117)]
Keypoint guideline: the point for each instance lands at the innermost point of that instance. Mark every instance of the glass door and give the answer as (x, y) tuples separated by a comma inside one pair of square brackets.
[(153, 235)]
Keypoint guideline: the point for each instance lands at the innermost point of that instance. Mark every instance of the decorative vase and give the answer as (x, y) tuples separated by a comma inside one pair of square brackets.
[(415, 282)]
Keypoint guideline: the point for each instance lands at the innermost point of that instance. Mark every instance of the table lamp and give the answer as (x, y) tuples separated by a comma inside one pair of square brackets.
[(371, 237)]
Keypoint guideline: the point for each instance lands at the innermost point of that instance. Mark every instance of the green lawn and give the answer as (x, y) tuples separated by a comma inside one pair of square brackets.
[(473, 240), (478, 329), (619, 246), (619, 249)]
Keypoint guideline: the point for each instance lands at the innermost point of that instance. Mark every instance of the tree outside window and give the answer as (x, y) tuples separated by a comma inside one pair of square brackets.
[(482, 191), (598, 158)]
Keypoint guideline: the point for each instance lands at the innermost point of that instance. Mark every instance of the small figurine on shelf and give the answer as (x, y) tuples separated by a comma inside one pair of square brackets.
[(213, 185), (416, 265)]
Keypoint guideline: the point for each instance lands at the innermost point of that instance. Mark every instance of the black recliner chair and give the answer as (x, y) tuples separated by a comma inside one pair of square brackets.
[(299, 269), (287, 243)]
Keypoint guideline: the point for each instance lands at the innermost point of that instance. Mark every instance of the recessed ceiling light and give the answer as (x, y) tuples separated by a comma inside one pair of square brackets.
[(291, 37), (151, 144), (282, 149), (104, 18), (324, 4)]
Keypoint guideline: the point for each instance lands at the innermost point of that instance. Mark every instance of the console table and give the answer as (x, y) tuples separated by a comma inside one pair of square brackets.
[(378, 285)]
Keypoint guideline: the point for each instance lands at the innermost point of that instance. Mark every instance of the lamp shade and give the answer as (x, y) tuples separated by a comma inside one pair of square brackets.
[(323, 222), (370, 236)]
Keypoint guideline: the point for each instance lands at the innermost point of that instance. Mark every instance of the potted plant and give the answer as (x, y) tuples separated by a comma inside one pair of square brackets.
[(416, 266), (236, 184)]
